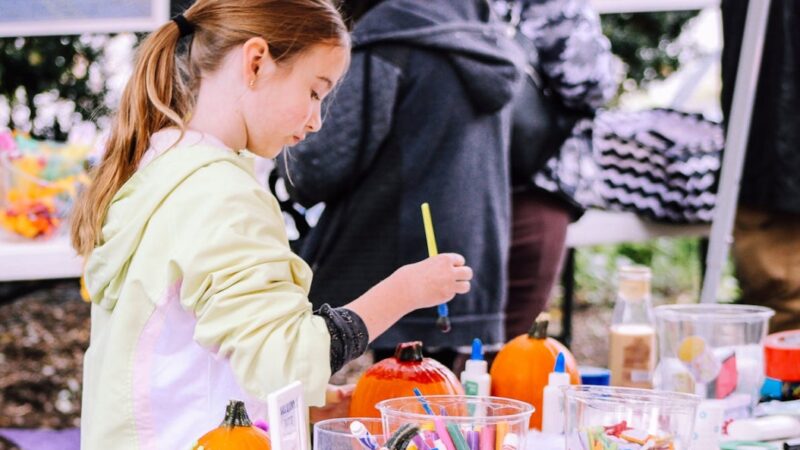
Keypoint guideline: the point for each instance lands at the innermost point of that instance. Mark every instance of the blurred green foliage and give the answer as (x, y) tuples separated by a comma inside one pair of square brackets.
[(676, 264), (61, 66), (646, 42)]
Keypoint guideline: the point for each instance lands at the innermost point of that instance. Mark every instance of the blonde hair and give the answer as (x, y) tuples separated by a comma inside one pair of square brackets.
[(162, 88)]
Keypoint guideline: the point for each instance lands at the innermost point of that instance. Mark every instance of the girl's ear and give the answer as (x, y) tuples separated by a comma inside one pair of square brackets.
[(257, 63)]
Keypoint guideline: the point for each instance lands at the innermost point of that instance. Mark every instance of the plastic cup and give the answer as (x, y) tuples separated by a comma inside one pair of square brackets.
[(476, 420), (613, 416), (715, 351), (334, 434)]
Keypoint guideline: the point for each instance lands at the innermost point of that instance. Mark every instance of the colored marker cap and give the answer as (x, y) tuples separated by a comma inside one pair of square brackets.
[(595, 376)]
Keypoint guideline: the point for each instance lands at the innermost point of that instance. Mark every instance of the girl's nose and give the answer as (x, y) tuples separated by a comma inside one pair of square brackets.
[(315, 121)]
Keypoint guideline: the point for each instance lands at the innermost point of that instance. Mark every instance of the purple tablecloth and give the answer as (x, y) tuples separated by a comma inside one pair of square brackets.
[(26, 439)]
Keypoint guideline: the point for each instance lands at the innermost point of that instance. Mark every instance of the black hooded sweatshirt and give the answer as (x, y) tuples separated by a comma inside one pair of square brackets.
[(421, 116)]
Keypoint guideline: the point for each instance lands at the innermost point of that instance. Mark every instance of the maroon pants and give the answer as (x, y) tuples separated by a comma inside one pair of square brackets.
[(539, 231)]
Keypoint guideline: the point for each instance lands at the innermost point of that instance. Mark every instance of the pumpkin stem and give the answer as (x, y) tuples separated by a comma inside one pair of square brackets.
[(409, 351), (236, 415), (539, 328)]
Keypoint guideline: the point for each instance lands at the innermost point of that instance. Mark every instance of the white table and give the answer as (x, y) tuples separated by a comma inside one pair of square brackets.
[(24, 259), (598, 227)]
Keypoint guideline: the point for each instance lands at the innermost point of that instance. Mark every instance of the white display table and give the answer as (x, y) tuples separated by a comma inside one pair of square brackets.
[(598, 227), (24, 259)]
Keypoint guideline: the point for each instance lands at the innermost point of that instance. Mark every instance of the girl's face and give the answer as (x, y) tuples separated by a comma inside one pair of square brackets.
[(282, 105)]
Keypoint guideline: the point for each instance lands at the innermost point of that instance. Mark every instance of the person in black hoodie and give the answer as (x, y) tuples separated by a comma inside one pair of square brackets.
[(422, 116)]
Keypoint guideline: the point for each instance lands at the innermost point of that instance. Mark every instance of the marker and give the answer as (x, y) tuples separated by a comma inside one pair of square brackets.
[(424, 402), (510, 442), (473, 440), (487, 438), (500, 435), (443, 321), (444, 436), (458, 439), (360, 432)]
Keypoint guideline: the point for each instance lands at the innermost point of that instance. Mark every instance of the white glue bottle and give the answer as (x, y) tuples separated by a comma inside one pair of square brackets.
[(553, 399), (475, 377)]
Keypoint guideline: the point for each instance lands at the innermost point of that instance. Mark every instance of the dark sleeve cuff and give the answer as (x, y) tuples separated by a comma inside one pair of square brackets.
[(349, 336)]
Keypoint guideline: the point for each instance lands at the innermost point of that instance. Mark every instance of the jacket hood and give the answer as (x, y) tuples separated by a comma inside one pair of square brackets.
[(131, 209), (479, 47)]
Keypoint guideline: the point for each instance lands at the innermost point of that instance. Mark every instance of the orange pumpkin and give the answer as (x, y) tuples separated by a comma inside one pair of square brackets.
[(522, 367), (235, 432), (398, 376)]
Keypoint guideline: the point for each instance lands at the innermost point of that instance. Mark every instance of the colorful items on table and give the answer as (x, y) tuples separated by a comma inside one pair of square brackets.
[(780, 390), (235, 432), (449, 436), (398, 376), (699, 359), (39, 183), (782, 356), (444, 423), (595, 376), (522, 367), (622, 437)]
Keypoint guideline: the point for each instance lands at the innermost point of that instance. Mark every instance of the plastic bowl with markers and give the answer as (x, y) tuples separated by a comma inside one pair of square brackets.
[(458, 421), (606, 418)]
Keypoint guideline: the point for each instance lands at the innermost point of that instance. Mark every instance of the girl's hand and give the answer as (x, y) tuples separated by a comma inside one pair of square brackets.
[(420, 285), (433, 281)]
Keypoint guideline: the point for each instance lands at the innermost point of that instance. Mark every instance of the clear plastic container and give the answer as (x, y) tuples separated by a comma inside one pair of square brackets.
[(605, 418), (38, 188), (334, 434), (715, 351), (474, 419)]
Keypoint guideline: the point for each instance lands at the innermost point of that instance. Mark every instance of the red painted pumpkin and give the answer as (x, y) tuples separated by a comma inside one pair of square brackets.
[(398, 376), (522, 367), (235, 432)]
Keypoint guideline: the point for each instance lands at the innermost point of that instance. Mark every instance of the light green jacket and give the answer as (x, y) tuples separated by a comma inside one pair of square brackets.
[(197, 299)]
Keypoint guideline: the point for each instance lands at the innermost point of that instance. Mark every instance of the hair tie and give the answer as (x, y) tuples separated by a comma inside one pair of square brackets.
[(184, 26)]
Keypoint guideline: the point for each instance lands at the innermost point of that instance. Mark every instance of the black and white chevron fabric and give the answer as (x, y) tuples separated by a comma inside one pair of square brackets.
[(659, 163)]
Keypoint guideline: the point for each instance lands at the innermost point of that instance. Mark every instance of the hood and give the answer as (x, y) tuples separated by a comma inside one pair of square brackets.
[(478, 45), (130, 212)]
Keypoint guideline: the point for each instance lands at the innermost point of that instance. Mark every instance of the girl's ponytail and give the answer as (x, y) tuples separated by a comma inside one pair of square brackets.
[(155, 97)]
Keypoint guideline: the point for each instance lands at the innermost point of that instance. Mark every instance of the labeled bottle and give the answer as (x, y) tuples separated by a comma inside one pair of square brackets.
[(553, 399), (475, 377), (632, 352)]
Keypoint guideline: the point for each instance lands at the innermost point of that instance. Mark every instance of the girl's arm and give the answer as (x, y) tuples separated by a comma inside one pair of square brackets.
[(421, 285), (249, 293)]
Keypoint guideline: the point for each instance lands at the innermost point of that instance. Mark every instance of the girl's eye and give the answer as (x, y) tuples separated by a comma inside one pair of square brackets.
[(314, 95)]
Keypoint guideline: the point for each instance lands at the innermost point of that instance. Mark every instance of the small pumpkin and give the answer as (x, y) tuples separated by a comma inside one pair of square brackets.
[(235, 432), (398, 376), (522, 367)]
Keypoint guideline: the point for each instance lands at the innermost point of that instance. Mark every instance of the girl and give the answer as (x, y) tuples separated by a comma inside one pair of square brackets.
[(197, 298)]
